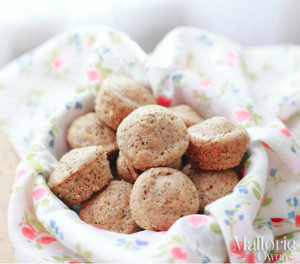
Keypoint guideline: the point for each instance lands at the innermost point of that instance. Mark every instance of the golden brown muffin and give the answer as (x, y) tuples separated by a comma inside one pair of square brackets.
[(152, 136), (160, 196), (125, 170), (79, 174), (89, 130), (217, 144), (109, 209), (189, 116), (118, 97), (128, 173), (211, 185), (177, 164)]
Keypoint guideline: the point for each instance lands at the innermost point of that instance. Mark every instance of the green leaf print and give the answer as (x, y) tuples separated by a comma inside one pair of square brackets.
[(215, 228), (63, 259), (160, 254), (159, 89), (87, 254), (34, 163), (277, 180), (267, 202), (256, 193), (32, 96), (115, 38), (45, 203), (38, 246), (97, 87), (25, 217), (78, 249), (105, 71), (202, 96), (57, 258), (80, 90), (177, 239), (255, 116), (256, 184), (16, 189), (249, 75)]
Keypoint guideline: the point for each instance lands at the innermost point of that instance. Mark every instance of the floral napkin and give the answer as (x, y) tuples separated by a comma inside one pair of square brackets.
[(258, 87)]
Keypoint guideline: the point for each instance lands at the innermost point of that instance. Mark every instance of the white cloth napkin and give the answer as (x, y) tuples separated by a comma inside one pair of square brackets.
[(44, 90)]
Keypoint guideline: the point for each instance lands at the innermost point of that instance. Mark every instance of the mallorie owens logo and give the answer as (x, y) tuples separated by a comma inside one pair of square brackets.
[(268, 250)]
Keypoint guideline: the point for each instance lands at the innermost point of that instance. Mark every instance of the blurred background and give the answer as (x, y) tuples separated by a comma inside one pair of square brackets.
[(26, 24)]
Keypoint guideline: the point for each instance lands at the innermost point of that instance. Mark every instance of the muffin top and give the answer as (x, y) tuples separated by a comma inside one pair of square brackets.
[(211, 185), (152, 136), (118, 97), (109, 209), (73, 161), (187, 114), (215, 128), (89, 130), (125, 170), (160, 196)]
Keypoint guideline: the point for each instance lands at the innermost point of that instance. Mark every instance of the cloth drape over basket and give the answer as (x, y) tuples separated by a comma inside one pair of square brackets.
[(44, 90)]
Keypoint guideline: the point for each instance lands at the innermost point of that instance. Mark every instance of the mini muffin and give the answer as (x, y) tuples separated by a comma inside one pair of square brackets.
[(118, 97), (211, 185), (109, 209), (152, 136), (160, 196), (177, 164), (189, 116), (128, 173), (125, 170), (217, 144), (89, 130), (79, 174)]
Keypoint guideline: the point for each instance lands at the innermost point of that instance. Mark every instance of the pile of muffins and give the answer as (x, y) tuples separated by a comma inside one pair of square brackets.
[(138, 165)]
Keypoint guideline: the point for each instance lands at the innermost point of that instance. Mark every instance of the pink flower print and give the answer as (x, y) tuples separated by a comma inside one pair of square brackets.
[(285, 132), (233, 59), (205, 83), (243, 115), (297, 220), (94, 75), (72, 261), (196, 220), (97, 228), (42, 237), (89, 44), (187, 64), (163, 100), (45, 240), (28, 231), (264, 198), (178, 254), (276, 222), (266, 145), (39, 192), (57, 63), (237, 248), (250, 258), (21, 173), (162, 232)]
